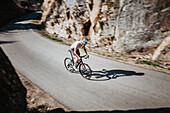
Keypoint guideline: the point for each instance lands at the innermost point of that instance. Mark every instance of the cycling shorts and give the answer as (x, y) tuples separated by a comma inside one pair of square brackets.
[(78, 52)]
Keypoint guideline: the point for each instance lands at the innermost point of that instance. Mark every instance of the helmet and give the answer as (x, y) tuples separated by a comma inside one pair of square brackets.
[(84, 41)]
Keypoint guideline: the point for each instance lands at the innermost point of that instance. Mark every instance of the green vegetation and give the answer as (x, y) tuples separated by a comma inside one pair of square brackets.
[(55, 39), (118, 58), (147, 62), (99, 53), (155, 64), (107, 55)]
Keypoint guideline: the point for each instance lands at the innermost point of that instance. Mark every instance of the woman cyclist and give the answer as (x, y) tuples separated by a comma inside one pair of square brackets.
[(75, 50)]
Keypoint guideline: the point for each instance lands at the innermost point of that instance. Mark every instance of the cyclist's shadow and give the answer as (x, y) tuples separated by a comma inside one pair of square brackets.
[(112, 74)]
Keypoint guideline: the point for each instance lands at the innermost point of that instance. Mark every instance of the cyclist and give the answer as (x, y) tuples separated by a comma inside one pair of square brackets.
[(75, 50)]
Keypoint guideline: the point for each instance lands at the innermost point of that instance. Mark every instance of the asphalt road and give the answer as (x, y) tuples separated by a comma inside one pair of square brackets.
[(41, 60)]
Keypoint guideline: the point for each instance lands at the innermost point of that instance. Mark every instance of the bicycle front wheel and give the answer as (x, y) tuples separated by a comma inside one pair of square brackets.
[(85, 70), (69, 64)]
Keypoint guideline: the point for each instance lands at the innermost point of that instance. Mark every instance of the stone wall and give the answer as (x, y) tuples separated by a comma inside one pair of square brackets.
[(121, 26), (12, 92)]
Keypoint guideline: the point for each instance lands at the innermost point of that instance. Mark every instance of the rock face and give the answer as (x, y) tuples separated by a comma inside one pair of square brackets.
[(12, 92), (121, 26)]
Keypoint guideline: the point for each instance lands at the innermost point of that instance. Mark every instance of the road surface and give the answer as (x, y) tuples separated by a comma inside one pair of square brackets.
[(41, 60)]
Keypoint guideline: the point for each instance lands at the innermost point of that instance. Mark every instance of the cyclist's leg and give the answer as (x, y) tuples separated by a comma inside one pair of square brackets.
[(72, 51), (76, 59), (78, 53)]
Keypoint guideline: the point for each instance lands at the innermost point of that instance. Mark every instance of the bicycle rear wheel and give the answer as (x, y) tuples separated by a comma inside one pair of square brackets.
[(69, 64), (85, 70)]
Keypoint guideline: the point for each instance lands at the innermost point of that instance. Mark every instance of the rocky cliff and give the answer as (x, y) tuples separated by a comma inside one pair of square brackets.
[(123, 26), (12, 92)]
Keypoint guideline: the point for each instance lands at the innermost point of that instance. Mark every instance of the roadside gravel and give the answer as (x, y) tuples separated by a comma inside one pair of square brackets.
[(39, 101)]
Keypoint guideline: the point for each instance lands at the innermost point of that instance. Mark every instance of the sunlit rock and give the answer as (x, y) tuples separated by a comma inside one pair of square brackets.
[(122, 26)]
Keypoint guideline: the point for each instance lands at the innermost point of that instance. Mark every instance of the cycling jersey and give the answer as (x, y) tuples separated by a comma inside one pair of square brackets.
[(76, 45)]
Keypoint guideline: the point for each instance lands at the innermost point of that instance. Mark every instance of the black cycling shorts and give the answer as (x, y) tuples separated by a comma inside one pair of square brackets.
[(78, 52)]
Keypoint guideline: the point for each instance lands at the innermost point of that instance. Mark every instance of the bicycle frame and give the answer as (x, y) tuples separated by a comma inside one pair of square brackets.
[(72, 58), (84, 68), (79, 62)]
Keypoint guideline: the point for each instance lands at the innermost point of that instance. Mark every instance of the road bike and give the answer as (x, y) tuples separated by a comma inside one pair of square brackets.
[(84, 69)]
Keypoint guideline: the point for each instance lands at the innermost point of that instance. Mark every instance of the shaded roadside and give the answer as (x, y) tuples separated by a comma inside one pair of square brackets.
[(20, 95), (10, 11), (12, 91), (19, 25), (38, 101), (152, 110)]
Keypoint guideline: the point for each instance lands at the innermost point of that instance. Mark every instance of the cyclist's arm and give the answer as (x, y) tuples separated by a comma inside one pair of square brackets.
[(85, 50)]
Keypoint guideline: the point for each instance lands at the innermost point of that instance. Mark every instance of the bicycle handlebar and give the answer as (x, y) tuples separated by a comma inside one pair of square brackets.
[(84, 56)]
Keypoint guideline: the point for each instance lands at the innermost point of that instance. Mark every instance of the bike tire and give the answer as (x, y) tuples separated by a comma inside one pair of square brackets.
[(87, 72), (69, 64)]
